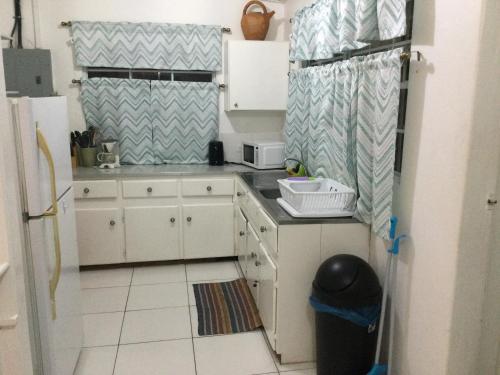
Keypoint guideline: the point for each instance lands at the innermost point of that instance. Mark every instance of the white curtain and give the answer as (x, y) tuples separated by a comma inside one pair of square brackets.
[(147, 45), (120, 108), (341, 120), (185, 118), (329, 27)]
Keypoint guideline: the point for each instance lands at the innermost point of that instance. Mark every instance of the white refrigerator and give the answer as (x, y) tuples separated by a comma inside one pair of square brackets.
[(51, 254)]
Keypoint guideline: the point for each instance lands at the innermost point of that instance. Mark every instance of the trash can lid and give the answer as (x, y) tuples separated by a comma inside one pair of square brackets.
[(346, 281)]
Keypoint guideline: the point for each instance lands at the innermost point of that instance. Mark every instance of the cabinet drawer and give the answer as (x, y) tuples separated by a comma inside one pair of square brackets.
[(252, 207), (241, 194), (95, 189), (149, 188), (268, 231), (208, 187)]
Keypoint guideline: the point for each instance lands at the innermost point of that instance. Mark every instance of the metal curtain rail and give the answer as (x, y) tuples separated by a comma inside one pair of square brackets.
[(79, 82), (68, 24)]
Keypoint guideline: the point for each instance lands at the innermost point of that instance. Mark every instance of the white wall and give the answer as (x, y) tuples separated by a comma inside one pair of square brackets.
[(451, 141), (7, 21), (233, 127)]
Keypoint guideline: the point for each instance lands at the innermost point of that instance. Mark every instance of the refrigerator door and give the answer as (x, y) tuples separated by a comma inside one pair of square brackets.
[(50, 115), (61, 338)]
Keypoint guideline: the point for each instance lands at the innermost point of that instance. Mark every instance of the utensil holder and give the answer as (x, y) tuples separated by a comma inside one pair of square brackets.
[(88, 156)]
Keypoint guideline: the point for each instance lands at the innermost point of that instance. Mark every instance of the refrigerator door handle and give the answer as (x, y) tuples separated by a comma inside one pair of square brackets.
[(52, 213)]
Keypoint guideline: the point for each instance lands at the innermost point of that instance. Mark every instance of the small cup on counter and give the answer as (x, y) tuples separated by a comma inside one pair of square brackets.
[(88, 156)]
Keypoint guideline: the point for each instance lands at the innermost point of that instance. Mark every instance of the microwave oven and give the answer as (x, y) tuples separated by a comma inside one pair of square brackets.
[(263, 155)]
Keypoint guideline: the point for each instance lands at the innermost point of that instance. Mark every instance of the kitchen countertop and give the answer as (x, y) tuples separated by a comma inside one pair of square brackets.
[(163, 170), (257, 180)]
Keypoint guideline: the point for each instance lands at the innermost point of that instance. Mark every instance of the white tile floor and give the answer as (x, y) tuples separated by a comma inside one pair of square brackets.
[(143, 321)]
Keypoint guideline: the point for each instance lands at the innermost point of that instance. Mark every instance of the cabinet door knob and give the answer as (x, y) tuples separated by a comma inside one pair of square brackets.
[(255, 284), (112, 223), (242, 233), (240, 194), (235, 105), (149, 189), (86, 190), (263, 229), (209, 188), (257, 263), (189, 219), (253, 255), (172, 219)]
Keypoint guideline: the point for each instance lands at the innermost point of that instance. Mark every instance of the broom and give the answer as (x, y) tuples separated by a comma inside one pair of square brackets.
[(390, 277)]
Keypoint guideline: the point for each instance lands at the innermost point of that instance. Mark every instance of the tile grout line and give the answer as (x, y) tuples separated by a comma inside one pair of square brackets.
[(123, 320), (190, 322)]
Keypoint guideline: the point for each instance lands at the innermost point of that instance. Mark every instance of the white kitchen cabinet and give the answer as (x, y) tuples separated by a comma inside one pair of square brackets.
[(252, 263), (152, 233), (241, 240), (256, 75), (208, 230), (267, 294), (100, 236)]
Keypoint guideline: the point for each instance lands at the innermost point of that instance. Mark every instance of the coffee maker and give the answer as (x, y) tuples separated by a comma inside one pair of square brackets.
[(110, 155)]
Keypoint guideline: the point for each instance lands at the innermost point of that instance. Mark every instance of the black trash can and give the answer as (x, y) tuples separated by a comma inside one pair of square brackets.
[(346, 297)]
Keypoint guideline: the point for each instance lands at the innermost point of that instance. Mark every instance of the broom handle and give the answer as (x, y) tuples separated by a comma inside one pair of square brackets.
[(384, 304), (393, 310)]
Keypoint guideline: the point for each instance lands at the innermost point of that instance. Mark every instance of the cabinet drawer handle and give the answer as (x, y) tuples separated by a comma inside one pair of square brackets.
[(189, 219), (86, 190), (112, 223), (263, 229), (149, 189), (242, 233), (253, 255), (209, 188), (172, 219)]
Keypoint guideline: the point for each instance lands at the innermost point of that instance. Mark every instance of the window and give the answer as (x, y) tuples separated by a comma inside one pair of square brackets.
[(385, 45), (151, 74)]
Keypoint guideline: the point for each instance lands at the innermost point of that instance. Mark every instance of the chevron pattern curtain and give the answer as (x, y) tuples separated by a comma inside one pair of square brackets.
[(329, 27), (185, 120), (120, 108), (380, 19), (378, 106), (341, 120), (323, 29), (321, 120), (147, 45)]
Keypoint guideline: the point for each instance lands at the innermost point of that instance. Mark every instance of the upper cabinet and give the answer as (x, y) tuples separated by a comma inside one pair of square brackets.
[(256, 75)]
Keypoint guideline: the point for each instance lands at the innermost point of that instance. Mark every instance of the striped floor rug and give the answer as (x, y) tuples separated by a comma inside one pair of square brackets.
[(225, 307)]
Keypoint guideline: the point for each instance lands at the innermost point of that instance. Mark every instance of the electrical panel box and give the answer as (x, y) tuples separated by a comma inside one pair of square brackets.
[(28, 72)]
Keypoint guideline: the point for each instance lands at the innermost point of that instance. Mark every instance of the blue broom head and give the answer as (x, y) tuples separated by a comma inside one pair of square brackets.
[(378, 369)]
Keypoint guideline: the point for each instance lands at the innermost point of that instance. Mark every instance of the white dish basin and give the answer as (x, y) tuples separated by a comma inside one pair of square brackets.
[(323, 214), (318, 197)]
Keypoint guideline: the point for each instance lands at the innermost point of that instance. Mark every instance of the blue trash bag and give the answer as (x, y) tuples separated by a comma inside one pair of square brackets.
[(366, 316)]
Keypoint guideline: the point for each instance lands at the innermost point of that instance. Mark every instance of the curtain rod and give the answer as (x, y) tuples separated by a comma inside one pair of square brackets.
[(68, 24), (222, 86)]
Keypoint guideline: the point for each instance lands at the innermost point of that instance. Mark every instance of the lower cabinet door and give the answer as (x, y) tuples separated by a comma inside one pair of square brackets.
[(267, 294), (152, 233), (252, 263), (208, 230), (100, 236), (241, 240)]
